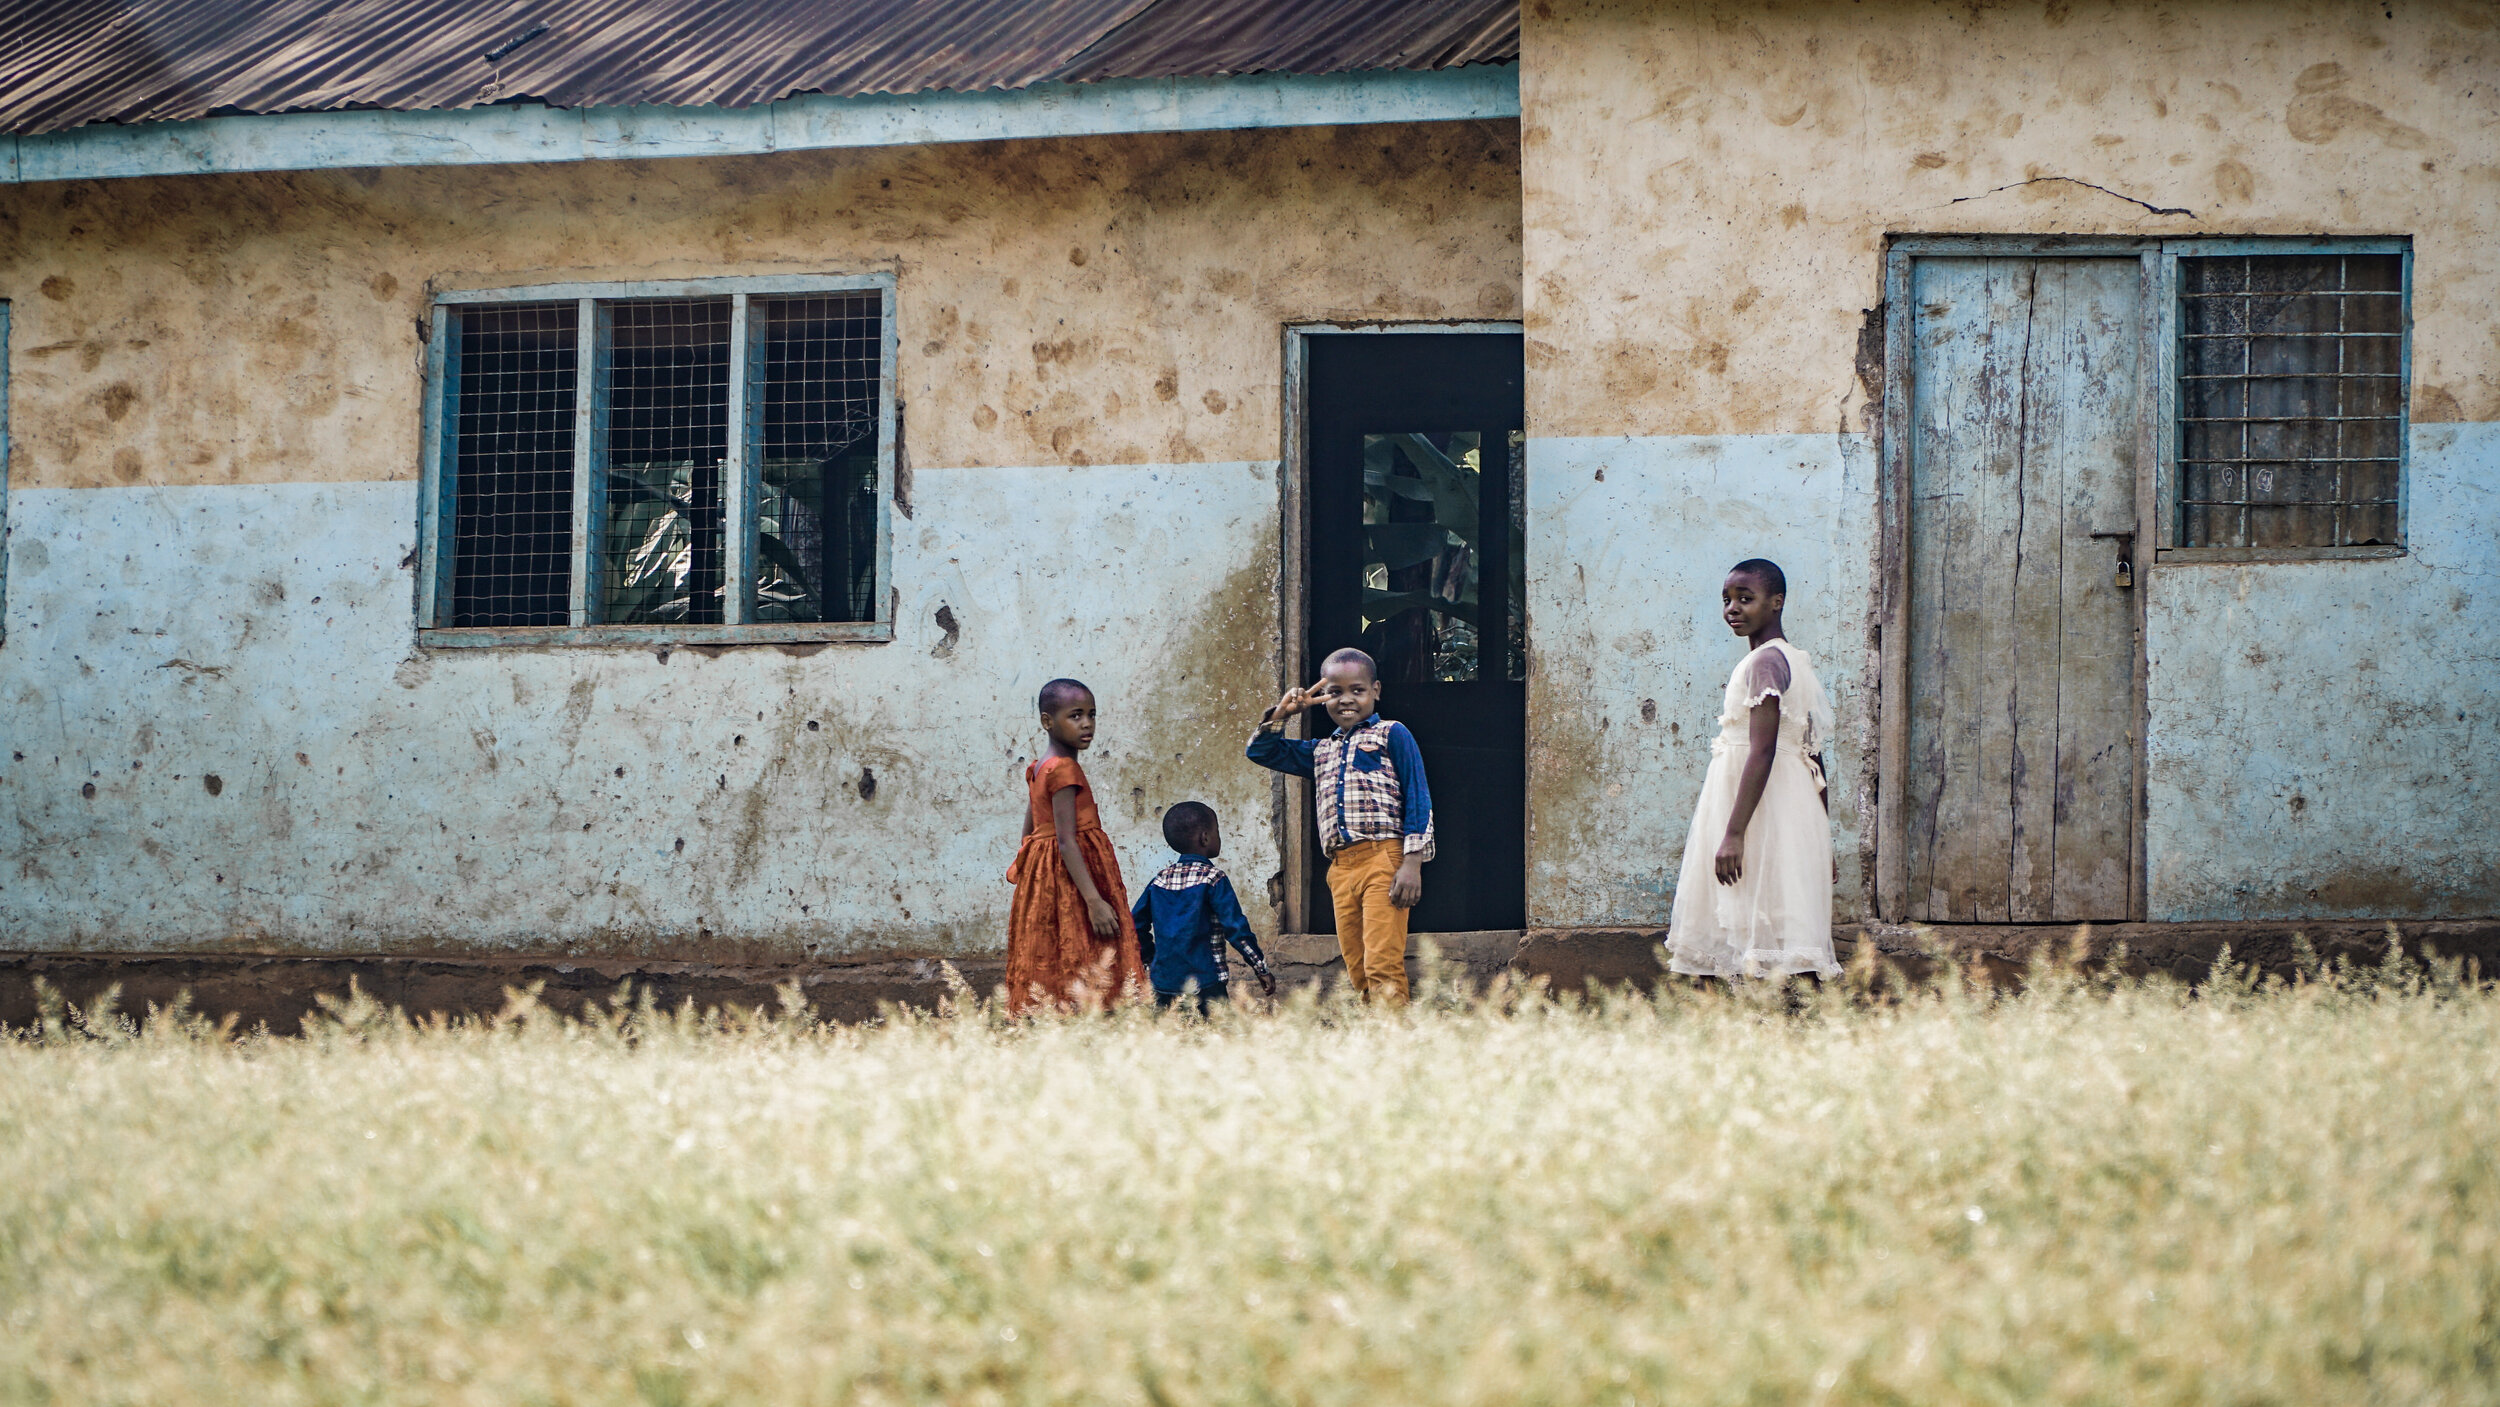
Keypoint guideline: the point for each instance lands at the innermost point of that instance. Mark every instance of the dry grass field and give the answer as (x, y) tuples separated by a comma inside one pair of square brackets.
[(2124, 1195)]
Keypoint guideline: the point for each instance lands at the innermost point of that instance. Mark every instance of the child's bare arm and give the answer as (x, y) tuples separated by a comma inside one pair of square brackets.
[(1763, 738), (1098, 911)]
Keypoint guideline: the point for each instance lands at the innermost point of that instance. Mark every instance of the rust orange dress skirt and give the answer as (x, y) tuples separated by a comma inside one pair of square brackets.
[(1053, 957)]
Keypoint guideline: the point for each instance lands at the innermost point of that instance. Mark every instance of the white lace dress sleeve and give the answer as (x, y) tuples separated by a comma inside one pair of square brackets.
[(1768, 675)]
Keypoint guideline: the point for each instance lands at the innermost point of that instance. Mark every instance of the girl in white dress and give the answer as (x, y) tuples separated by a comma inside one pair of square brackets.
[(1755, 895)]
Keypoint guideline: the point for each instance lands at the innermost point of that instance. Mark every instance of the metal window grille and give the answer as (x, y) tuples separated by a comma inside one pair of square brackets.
[(664, 435), (625, 461), (512, 516), (2291, 399), (816, 509)]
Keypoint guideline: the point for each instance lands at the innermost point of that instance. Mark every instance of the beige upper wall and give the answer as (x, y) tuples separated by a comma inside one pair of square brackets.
[(1107, 300), (1708, 186)]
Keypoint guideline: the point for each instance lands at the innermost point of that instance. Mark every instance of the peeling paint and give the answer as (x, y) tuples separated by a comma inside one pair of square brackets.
[(736, 804)]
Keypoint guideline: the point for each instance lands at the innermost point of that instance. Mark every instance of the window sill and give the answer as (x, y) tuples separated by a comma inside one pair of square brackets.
[(2190, 555), (646, 637)]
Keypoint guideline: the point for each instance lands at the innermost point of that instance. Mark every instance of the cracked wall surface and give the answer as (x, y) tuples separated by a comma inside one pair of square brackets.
[(225, 737), (1707, 192)]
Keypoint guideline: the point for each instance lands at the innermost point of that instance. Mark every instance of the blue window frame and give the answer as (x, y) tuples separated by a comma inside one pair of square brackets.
[(708, 461)]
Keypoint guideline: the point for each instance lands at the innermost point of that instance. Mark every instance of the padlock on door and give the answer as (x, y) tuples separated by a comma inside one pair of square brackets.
[(2124, 580)]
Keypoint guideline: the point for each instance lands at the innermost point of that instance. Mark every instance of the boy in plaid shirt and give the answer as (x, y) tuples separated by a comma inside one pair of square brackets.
[(1375, 814), (1186, 915)]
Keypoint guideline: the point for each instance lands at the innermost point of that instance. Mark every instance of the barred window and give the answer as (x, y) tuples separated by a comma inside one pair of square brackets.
[(2291, 400), (704, 462), (514, 447)]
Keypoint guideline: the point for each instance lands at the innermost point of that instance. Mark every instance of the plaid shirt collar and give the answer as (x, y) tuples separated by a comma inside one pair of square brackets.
[(1371, 722), (1187, 872)]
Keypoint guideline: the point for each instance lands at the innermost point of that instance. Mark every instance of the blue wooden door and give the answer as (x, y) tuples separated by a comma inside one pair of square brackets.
[(2020, 793)]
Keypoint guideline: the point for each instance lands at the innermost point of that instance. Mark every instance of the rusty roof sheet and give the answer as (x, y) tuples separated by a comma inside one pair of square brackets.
[(64, 63)]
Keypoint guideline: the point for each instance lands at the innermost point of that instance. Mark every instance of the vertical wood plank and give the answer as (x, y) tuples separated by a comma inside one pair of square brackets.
[(1964, 512), (1983, 579), (1892, 702), (2155, 382), (1954, 843), (4, 469), (738, 478), (2095, 685), (2045, 401), (2019, 780), (590, 387), (1969, 843), (889, 440), (1929, 506)]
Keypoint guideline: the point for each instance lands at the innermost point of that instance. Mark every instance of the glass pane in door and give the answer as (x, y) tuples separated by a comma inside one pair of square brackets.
[(1428, 613)]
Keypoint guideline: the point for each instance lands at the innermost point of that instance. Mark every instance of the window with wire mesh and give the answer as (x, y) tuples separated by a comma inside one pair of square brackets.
[(816, 504), (665, 441), (512, 451), (2291, 400)]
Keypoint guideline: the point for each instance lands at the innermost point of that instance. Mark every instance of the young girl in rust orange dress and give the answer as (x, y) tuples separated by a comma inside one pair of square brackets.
[(1071, 945)]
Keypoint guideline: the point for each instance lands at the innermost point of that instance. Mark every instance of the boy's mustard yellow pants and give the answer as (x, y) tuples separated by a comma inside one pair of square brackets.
[(1371, 931)]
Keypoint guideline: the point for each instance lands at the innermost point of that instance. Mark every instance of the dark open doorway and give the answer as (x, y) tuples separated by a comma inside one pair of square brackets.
[(1414, 518)]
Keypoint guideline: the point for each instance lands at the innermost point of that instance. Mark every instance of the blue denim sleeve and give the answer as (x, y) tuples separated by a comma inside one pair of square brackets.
[(1417, 794), (1144, 912), (1234, 924), (1278, 753)]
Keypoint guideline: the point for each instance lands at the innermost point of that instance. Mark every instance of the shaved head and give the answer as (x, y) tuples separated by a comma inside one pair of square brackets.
[(1350, 655), (1188, 827), (1059, 693), (1764, 570)]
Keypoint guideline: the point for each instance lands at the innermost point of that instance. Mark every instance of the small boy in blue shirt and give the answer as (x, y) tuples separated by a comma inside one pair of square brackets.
[(1187, 913)]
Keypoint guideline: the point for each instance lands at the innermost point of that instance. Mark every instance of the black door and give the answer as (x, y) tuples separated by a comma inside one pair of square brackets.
[(1416, 533)]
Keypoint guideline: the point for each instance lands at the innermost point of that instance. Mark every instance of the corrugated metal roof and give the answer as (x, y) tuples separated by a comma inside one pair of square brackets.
[(1199, 38), (64, 63)]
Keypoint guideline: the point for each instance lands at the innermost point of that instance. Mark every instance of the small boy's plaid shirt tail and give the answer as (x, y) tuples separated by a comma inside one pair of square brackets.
[(1185, 916)]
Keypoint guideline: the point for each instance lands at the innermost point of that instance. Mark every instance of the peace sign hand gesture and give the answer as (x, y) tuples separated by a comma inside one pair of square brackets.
[(1297, 700)]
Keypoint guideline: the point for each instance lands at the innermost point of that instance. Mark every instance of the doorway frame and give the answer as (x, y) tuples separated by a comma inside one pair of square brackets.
[(1289, 794), (1893, 565)]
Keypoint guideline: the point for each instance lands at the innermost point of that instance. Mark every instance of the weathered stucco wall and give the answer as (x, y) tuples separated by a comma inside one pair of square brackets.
[(2322, 732), (1632, 656), (216, 405), (1707, 189), (1108, 300)]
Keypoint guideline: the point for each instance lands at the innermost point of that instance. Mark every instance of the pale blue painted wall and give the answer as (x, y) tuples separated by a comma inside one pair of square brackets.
[(1628, 539), (375, 797), (2367, 690), (2323, 740)]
